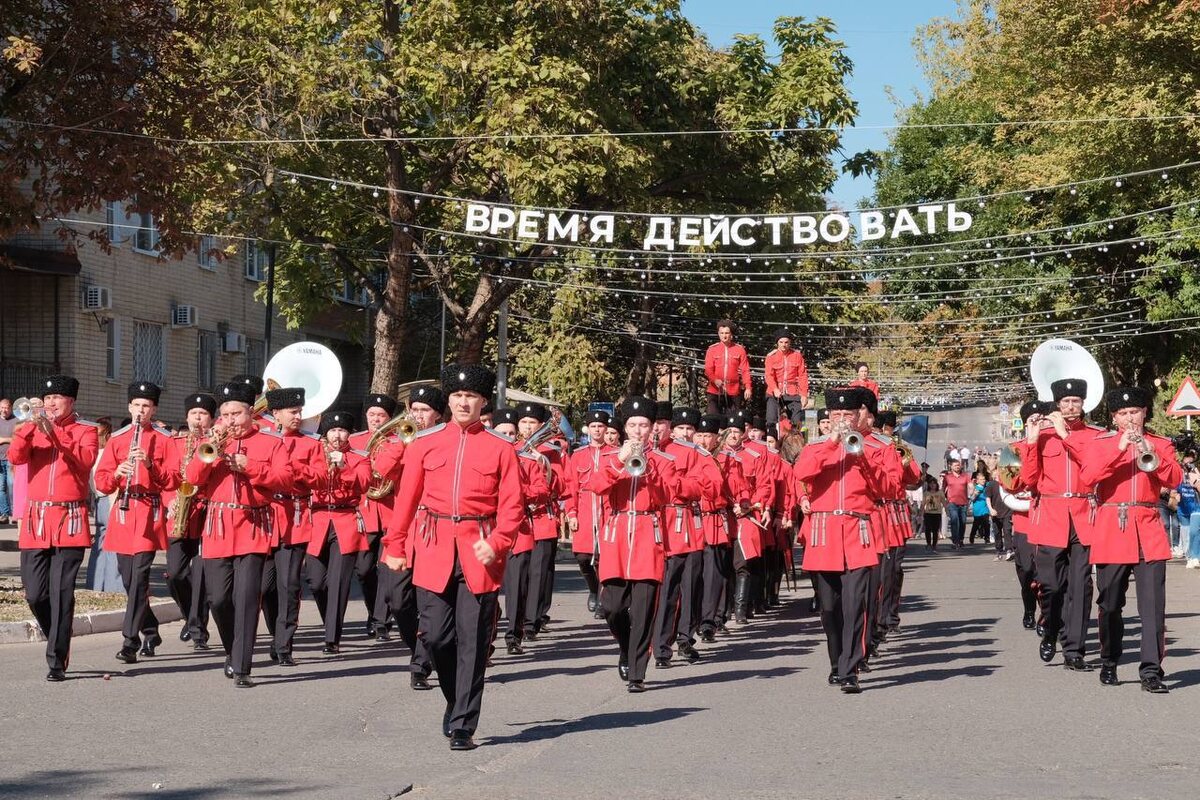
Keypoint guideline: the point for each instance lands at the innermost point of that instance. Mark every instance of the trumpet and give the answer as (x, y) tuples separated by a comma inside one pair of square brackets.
[(211, 451), (635, 465), (906, 453), (23, 409), (852, 440), (1147, 457)]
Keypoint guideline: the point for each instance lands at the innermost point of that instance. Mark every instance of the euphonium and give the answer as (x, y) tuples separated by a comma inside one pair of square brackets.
[(403, 426)]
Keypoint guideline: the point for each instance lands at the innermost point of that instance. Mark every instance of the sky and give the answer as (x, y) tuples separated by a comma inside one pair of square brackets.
[(878, 36)]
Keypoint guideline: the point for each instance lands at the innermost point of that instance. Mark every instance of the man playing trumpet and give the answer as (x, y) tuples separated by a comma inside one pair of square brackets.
[(1129, 467), (1060, 522)]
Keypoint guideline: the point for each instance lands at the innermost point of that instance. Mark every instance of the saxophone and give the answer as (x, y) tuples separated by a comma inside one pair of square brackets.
[(183, 496)]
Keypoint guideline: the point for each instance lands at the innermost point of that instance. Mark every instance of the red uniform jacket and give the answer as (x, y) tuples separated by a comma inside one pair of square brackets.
[(747, 535), (1125, 533), (143, 528), (238, 521), (1062, 497), (894, 513), (728, 364), (843, 490), (376, 514), (786, 371), (867, 384), (198, 505), (536, 477), (59, 467), (543, 512), (291, 519), (467, 484), (336, 497), (681, 517), (589, 509), (632, 545), (722, 487)]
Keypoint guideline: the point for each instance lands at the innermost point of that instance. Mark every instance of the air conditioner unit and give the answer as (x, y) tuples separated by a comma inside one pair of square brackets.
[(183, 316), (234, 342), (96, 298)]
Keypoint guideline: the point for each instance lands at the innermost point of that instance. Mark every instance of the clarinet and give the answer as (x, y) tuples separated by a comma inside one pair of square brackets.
[(134, 443)]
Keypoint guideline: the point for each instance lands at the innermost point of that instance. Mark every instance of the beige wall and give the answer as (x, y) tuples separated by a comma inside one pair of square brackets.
[(143, 289)]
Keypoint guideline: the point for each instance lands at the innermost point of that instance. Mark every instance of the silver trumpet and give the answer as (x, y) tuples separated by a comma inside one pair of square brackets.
[(1147, 457), (852, 440), (635, 465)]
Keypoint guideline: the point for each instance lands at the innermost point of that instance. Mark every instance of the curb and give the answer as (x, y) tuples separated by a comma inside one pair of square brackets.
[(83, 624)]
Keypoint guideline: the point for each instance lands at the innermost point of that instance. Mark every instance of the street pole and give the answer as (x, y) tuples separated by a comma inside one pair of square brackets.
[(502, 356)]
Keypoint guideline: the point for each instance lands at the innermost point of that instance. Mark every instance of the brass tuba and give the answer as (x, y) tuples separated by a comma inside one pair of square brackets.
[(404, 426), (1008, 468)]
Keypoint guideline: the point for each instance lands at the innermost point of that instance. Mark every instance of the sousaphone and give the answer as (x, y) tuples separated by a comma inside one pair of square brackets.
[(313, 367), (1057, 359)]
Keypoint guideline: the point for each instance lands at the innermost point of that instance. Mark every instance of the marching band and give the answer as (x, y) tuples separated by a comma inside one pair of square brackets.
[(680, 523)]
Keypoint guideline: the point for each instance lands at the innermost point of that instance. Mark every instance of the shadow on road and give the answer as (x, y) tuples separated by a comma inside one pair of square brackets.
[(595, 722)]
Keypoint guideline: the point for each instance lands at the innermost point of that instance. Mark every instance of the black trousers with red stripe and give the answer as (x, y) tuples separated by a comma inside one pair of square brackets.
[(1065, 579), (1150, 583), (843, 597)]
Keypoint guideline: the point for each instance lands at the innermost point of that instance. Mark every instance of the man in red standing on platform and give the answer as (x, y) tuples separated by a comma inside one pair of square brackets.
[(727, 368), (465, 482), (787, 382)]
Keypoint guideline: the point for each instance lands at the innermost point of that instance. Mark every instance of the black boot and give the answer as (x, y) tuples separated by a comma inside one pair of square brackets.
[(741, 599)]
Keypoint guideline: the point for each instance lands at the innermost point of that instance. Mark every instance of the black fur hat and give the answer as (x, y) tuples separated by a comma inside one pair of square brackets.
[(1069, 387), (383, 401), (60, 384), (236, 392), (200, 400), (143, 390), (468, 378), (289, 397)]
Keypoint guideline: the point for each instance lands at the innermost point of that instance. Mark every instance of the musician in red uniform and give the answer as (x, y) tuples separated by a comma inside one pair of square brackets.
[(842, 487), (378, 409), (1031, 413), (723, 488), (897, 529), (395, 591), (770, 470), (461, 485), (58, 450), (337, 547), (185, 568), (1060, 524), (535, 493), (678, 614), (727, 368), (787, 381), (543, 516), (1129, 468), (748, 526), (251, 467), (291, 516), (587, 512), (139, 464)]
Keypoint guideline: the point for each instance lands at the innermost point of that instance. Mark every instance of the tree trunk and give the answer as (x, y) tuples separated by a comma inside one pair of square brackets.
[(392, 319), (475, 323)]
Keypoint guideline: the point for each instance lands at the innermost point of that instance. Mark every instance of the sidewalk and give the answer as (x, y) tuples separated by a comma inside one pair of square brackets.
[(94, 622)]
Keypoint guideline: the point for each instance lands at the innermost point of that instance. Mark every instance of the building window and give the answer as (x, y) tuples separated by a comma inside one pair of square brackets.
[(116, 221), (256, 263), (149, 353), (206, 360), (112, 350), (256, 356), (145, 234), (351, 292), (206, 256)]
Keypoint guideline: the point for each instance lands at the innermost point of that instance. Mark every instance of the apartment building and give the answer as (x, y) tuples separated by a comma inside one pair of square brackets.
[(187, 324)]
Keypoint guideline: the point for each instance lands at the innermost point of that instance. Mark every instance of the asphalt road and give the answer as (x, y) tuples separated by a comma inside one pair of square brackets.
[(958, 706)]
